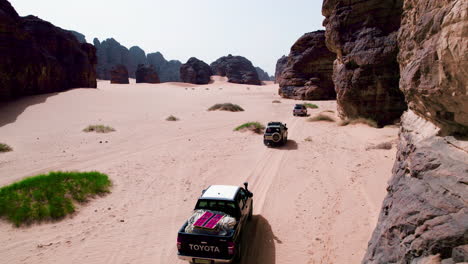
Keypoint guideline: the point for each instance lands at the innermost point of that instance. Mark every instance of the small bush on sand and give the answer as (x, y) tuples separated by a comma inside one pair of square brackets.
[(312, 106), (308, 139), (5, 148), (255, 127), (328, 111), (276, 101), (49, 196), (321, 117), (99, 129), (385, 145), (226, 107), (359, 120), (172, 118)]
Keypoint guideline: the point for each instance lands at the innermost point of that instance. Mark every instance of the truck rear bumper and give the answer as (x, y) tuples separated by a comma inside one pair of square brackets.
[(190, 258)]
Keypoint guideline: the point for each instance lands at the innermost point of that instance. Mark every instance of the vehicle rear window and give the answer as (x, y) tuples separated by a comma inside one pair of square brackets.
[(217, 205), (272, 130), (299, 107)]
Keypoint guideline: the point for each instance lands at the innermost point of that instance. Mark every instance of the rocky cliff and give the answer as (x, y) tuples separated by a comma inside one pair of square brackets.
[(136, 56), (195, 71), (308, 72), (37, 57), (146, 74), (363, 34), (262, 75), (425, 214), (168, 71), (119, 74), (280, 65), (110, 53), (237, 69)]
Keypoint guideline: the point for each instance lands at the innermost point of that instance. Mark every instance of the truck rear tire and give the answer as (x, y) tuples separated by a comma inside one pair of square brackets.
[(250, 212), (238, 256)]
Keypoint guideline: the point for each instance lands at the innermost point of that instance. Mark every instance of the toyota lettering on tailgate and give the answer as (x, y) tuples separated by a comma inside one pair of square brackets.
[(204, 248)]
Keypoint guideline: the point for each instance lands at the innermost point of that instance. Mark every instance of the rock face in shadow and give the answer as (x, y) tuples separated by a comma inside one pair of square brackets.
[(37, 57), (426, 210), (80, 37), (308, 72), (110, 53), (168, 71), (237, 69), (195, 71), (146, 74), (280, 65), (119, 74), (136, 56), (433, 58), (262, 75), (363, 34)]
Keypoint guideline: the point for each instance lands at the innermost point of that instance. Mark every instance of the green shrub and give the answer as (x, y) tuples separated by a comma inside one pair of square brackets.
[(49, 196), (99, 129), (226, 107), (255, 127), (5, 148), (309, 105), (321, 117)]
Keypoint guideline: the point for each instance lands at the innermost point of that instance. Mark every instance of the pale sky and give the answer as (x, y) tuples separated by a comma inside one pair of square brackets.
[(261, 30)]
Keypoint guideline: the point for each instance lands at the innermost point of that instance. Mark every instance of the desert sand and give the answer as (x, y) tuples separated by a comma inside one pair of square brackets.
[(315, 201)]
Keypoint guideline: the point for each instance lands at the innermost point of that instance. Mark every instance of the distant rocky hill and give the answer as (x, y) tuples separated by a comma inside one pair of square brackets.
[(306, 74), (237, 69), (262, 75), (195, 71), (110, 53), (38, 57), (280, 65)]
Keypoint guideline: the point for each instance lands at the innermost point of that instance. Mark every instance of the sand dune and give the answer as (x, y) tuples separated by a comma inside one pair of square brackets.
[(314, 201)]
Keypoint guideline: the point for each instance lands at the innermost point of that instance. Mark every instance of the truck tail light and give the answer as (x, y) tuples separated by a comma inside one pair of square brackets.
[(231, 248), (179, 244)]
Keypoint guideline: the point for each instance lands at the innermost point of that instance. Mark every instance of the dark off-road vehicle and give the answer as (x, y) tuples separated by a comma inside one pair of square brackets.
[(213, 234), (300, 110), (276, 133)]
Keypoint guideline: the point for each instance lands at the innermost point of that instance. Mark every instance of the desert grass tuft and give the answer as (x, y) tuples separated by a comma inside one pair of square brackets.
[(99, 129), (321, 117), (255, 127), (49, 196), (359, 120), (311, 106), (5, 148), (384, 145), (226, 107), (276, 101), (172, 118), (308, 139)]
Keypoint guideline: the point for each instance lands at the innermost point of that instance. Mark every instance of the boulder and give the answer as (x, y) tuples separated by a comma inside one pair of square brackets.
[(363, 34), (37, 57), (195, 71), (168, 71), (433, 58), (146, 74), (119, 74), (280, 65), (237, 69), (136, 56), (308, 72)]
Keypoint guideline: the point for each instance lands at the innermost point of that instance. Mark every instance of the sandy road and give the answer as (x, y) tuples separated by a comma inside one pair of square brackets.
[(315, 201)]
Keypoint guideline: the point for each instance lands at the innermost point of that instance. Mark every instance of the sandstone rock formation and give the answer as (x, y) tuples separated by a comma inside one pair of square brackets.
[(119, 74), (426, 210), (237, 69), (109, 53), (280, 65), (363, 34), (136, 56), (168, 71), (195, 71), (308, 72), (36, 57), (80, 37), (146, 74), (262, 75)]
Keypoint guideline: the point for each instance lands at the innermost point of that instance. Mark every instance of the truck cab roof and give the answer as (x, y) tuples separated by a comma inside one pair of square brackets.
[(220, 192)]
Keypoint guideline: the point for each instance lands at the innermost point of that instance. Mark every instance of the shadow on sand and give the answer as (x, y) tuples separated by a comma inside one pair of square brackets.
[(9, 111), (290, 145), (258, 242)]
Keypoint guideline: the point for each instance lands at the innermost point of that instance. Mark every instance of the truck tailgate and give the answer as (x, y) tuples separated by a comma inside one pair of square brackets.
[(204, 246)]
